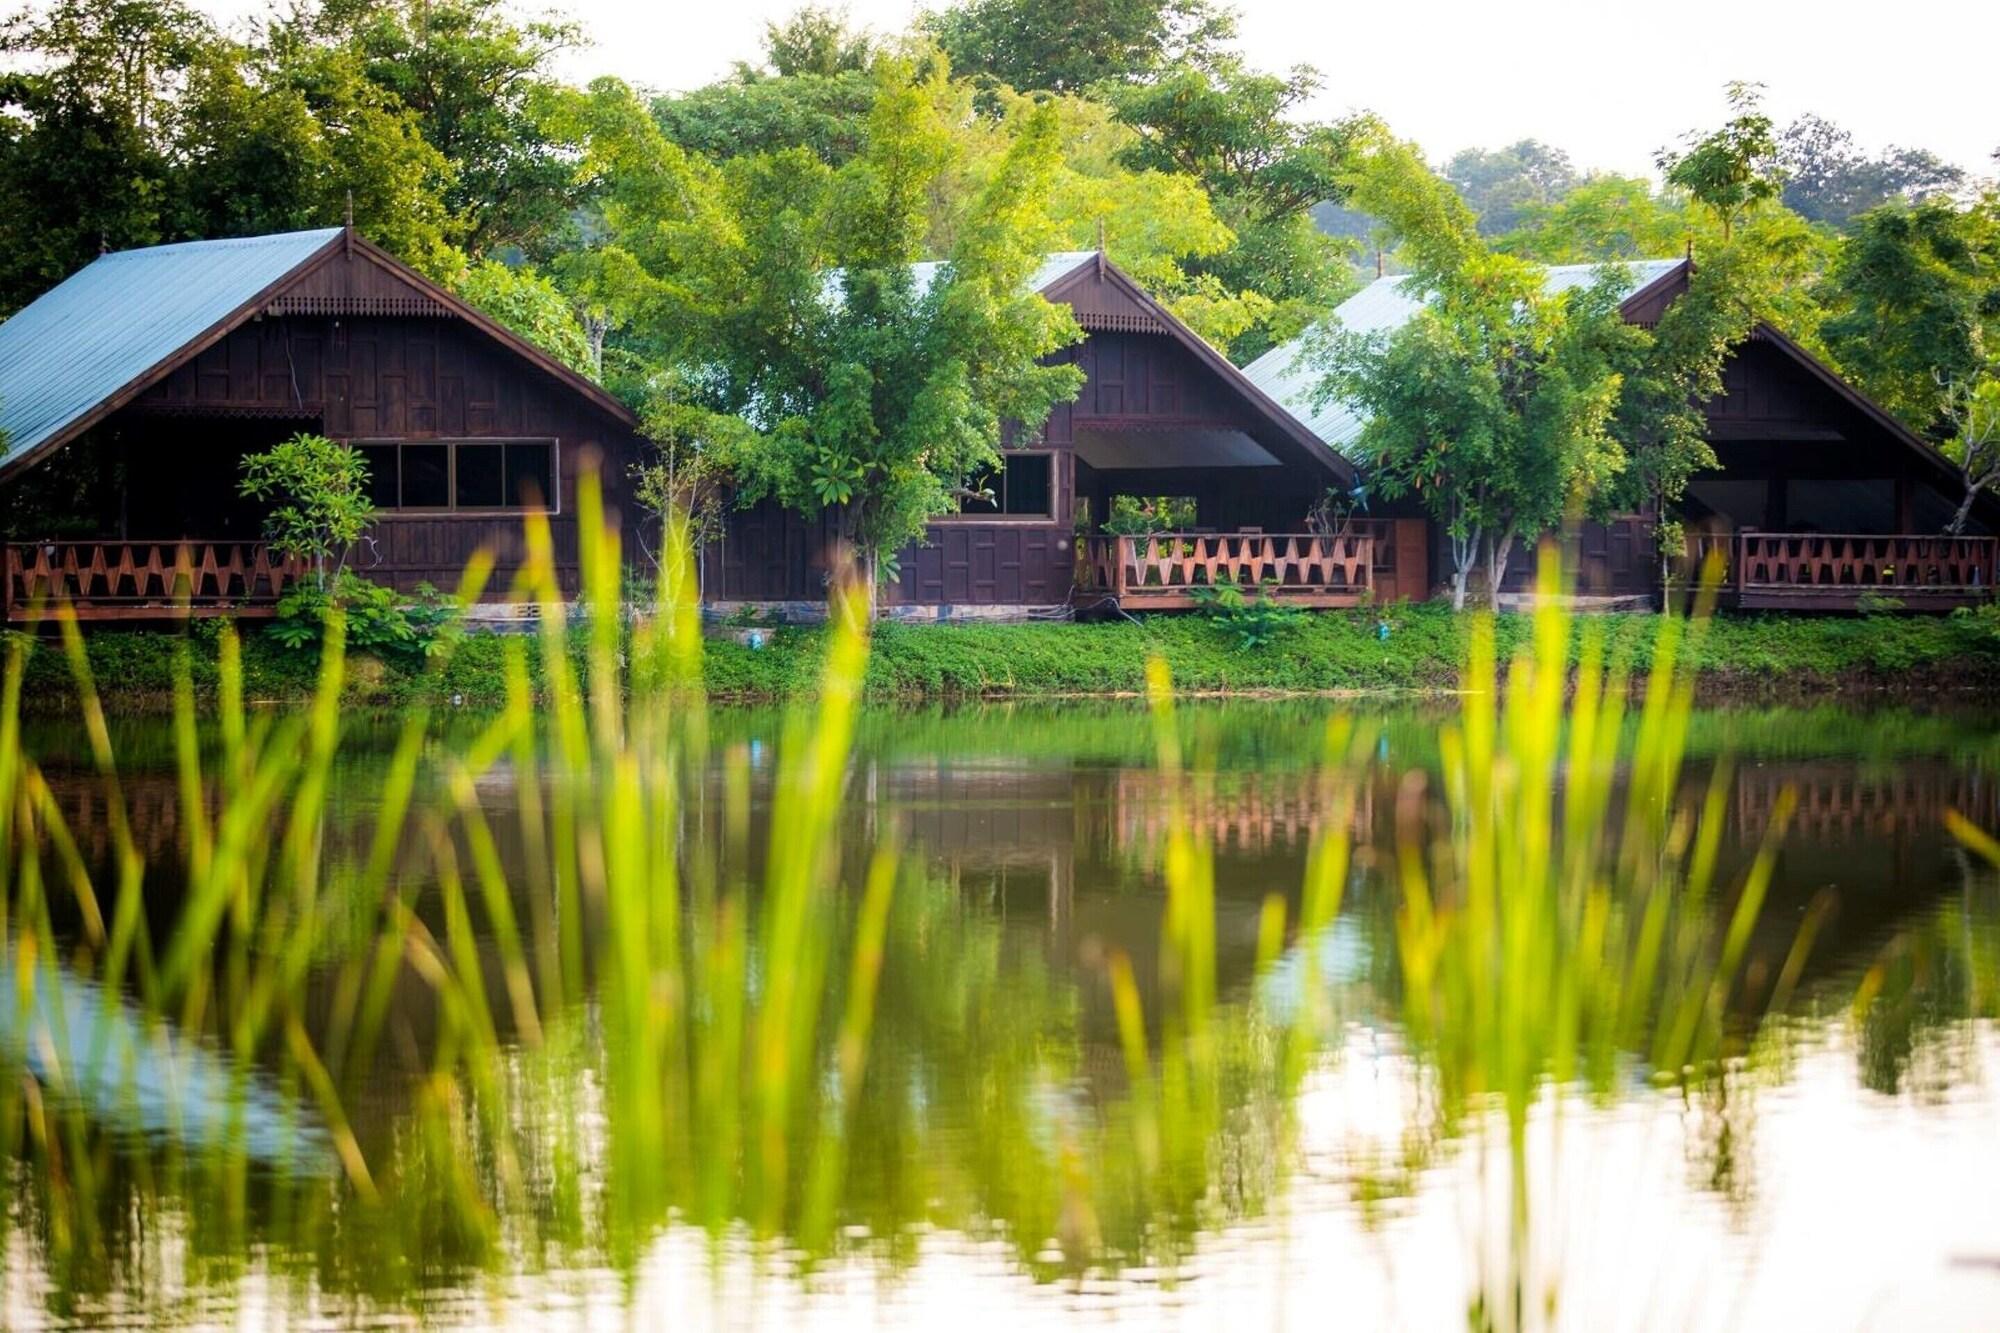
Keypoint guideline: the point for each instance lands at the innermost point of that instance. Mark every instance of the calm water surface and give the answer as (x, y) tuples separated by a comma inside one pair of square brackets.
[(1844, 1172)]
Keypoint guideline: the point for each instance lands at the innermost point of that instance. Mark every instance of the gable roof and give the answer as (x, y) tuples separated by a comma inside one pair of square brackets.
[(1061, 278), (99, 338), (1077, 268), (122, 315), (1387, 304), (1055, 266)]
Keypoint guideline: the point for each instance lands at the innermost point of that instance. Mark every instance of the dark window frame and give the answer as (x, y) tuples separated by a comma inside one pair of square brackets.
[(552, 505), (1048, 458)]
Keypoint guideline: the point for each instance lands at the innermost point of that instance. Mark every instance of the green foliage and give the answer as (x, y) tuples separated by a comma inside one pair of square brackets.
[(531, 306), (1732, 168), (1915, 301), (824, 113), (1502, 185), (1829, 181), (405, 630), (1235, 131), (1257, 618), (480, 88), (1072, 45), (318, 492), (1494, 405), (816, 41), (1774, 656), (836, 379), (1137, 516), (1974, 445)]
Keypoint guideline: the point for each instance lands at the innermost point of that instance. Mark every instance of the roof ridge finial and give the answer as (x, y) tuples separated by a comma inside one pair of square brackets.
[(1100, 245), (347, 218)]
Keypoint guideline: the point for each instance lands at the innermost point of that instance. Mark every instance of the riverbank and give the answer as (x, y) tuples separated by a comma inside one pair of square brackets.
[(1420, 651)]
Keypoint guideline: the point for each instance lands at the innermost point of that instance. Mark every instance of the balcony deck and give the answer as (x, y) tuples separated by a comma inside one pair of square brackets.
[(1166, 571), (1815, 571), (127, 580)]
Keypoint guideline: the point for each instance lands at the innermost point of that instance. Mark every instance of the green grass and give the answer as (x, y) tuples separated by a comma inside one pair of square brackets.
[(1335, 651)]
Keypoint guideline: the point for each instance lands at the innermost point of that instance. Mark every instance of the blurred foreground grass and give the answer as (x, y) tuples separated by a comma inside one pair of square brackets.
[(488, 1038)]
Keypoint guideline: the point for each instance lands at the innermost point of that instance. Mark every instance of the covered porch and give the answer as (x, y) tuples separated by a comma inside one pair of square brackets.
[(1168, 513), (140, 519)]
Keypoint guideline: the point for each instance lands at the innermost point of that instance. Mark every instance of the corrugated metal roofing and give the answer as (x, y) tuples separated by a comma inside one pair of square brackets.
[(112, 321), (1380, 307), (1053, 267)]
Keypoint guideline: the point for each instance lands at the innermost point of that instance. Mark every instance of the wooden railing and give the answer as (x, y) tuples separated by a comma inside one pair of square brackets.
[(1168, 568), (113, 580), (1831, 569)]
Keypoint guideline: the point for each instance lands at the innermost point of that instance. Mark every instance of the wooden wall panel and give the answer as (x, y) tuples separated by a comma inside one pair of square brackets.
[(414, 377)]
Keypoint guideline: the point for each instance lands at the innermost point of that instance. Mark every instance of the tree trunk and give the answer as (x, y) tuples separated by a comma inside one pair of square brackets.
[(1498, 549), (1956, 527)]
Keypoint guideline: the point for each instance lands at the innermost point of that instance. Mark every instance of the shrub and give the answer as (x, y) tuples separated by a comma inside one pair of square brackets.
[(406, 631), (1256, 621), (319, 495)]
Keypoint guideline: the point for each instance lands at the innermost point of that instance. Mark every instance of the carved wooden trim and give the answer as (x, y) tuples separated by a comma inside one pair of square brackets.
[(1119, 323), (422, 307)]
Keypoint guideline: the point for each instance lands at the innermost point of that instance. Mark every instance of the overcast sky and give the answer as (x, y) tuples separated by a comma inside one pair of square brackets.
[(1609, 81)]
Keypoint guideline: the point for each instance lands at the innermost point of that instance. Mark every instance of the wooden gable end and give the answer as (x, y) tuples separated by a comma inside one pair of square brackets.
[(371, 377), (1149, 379), (1766, 395), (351, 281), (1105, 301)]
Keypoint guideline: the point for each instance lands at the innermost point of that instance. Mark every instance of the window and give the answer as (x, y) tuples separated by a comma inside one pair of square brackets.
[(461, 474), (1022, 487)]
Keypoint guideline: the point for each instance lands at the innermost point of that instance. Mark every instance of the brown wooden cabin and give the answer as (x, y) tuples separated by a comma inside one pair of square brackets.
[(1821, 499), (130, 393), (1161, 414)]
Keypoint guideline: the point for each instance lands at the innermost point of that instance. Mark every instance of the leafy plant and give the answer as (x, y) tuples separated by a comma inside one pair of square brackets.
[(1256, 621), (1142, 515), (379, 621), (319, 494)]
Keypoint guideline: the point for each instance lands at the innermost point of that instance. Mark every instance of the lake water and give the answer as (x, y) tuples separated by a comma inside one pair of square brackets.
[(995, 1163)]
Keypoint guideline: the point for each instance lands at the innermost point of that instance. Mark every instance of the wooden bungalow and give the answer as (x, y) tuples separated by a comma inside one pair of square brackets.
[(1162, 415), (130, 393), (1822, 497)]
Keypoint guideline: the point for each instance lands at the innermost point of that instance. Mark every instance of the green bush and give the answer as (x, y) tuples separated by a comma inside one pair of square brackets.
[(379, 622)]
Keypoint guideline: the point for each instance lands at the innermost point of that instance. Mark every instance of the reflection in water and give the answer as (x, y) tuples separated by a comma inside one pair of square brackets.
[(1006, 1157)]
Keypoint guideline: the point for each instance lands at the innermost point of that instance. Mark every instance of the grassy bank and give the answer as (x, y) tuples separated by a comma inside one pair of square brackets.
[(1752, 655)]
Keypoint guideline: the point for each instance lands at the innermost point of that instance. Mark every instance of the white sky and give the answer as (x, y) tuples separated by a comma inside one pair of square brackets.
[(1609, 81)]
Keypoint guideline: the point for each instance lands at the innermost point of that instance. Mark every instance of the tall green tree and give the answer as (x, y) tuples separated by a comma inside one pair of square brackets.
[(88, 114), (813, 89), (1494, 404), (1500, 184), (1734, 167), (825, 366), (1974, 443), (1072, 45), (1235, 131), (1915, 300), (1829, 180), (481, 86)]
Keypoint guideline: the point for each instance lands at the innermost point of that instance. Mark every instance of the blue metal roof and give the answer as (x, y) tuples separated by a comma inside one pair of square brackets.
[(1055, 266), (112, 321), (1383, 306)]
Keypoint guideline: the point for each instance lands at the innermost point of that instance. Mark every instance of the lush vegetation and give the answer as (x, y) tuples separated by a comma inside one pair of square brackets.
[(1423, 650), (679, 246)]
